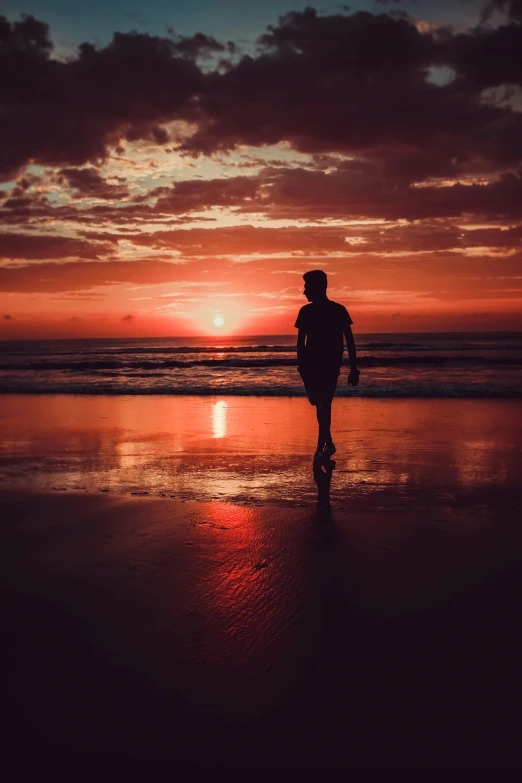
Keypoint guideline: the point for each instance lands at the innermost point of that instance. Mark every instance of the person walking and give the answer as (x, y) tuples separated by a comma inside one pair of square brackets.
[(323, 327)]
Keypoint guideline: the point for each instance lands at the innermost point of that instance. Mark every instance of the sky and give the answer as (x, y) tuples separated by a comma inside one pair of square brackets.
[(173, 168)]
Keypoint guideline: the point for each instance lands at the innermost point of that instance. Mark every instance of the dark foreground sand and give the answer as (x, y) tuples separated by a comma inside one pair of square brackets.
[(141, 633)]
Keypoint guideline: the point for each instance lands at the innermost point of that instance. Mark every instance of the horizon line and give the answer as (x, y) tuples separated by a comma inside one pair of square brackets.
[(506, 332)]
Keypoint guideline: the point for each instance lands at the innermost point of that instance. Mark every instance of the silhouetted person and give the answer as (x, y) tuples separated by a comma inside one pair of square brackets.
[(323, 327)]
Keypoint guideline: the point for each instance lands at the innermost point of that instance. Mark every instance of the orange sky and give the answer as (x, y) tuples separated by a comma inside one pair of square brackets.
[(149, 217)]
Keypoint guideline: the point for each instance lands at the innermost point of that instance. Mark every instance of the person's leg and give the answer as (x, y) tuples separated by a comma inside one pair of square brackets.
[(320, 441), (324, 419)]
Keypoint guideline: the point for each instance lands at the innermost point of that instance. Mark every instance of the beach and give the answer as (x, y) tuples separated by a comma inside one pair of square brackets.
[(216, 213), (174, 598)]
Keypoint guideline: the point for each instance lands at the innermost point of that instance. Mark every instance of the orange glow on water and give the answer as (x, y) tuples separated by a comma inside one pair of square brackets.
[(256, 449)]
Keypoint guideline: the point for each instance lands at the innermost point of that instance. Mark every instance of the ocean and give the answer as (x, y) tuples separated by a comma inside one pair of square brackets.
[(466, 365)]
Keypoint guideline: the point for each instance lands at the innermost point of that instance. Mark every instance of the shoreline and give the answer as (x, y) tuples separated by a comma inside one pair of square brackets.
[(343, 394)]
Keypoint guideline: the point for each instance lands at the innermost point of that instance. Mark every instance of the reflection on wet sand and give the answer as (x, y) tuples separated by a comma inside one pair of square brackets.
[(219, 418), (257, 450), (323, 478)]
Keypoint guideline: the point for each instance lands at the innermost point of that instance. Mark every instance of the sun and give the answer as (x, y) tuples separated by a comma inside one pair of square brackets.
[(217, 319)]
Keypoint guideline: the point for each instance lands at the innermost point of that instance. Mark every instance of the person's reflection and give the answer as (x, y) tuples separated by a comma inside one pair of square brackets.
[(323, 478)]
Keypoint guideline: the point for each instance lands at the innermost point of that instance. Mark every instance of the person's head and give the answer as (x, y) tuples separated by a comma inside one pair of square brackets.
[(315, 285)]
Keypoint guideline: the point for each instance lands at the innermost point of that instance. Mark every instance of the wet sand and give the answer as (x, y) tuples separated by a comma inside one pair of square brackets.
[(151, 633), (255, 449)]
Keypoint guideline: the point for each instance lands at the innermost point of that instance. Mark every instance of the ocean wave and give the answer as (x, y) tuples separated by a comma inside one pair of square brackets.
[(46, 350), (239, 363), (259, 391), (27, 351), (395, 365)]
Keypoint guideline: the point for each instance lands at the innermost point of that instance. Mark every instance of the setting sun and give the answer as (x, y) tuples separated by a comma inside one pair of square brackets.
[(219, 320)]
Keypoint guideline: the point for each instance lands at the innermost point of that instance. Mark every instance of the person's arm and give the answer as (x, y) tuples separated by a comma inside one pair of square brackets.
[(301, 342), (353, 378)]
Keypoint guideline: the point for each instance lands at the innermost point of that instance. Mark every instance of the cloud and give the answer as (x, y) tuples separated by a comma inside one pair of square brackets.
[(255, 242), (354, 189), (487, 57), (50, 277), (352, 83), (361, 190), (512, 9), (32, 246), (8, 318), (358, 84), (127, 318), (198, 45), (190, 195), (246, 239), (71, 113), (38, 210), (89, 183)]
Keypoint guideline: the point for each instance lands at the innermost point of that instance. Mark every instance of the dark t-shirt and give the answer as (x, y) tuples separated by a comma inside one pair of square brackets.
[(325, 323)]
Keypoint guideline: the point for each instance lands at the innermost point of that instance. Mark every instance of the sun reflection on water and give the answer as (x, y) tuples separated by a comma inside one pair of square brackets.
[(219, 419)]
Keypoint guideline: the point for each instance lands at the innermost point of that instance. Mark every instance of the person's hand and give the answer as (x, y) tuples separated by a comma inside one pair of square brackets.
[(353, 378)]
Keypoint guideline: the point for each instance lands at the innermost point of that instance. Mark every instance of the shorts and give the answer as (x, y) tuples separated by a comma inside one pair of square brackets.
[(320, 383)]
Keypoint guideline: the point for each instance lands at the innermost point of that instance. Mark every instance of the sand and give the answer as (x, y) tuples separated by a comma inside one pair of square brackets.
[(146, 633), (248, 449)]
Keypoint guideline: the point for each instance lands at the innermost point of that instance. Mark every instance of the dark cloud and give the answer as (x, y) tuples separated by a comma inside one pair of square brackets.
[(198, 45), (353, 83), (49, 277), (512, 8), (355, 189), (358, 84), (28, 36), (70, 113), (127, 318), (193, 195), (38, 210), (31, 246), (8, 318), (359, 191), (89, 183), (486, 57)]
